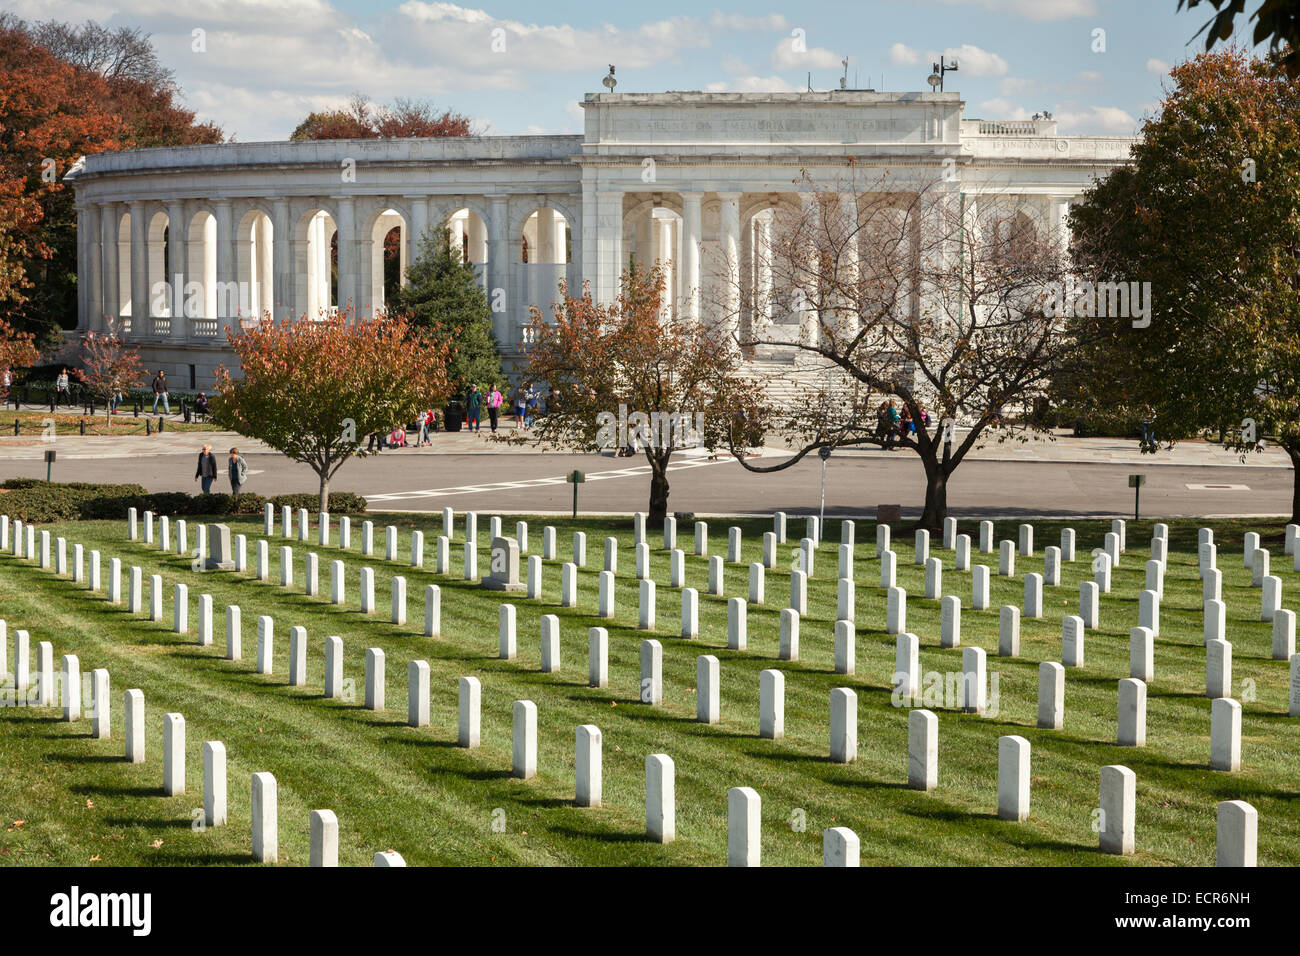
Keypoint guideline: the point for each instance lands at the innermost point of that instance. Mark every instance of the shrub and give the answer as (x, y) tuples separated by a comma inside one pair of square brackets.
[(341, 502), (39, 501)]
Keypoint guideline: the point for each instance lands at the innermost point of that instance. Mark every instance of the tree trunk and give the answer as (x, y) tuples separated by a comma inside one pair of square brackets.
[(936, 498), (658, 493), (324, 492)]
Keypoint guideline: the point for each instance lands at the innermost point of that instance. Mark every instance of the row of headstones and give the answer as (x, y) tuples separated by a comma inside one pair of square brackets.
[(324, 824), (1237, 820)]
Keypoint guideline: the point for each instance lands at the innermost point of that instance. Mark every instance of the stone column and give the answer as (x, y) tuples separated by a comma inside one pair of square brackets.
[(692, 233), (806, 293), (265, 267), (348, 258), (178, 260), (847, 320), (544, 252), (416, 229), (729, 304), (93, 308), (608, 242), (498, 269), (228, 298), (109, 268), (139, 271)]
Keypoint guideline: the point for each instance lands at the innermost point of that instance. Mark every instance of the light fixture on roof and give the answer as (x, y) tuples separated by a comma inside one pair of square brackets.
[(609, 80), (935, 79)]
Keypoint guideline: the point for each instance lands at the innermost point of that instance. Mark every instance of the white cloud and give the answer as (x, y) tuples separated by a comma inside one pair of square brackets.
[(974, 61), (1158, 67), (1016, 86), (1000, 109), (902, 55), (1036, 9), (1108, 120), (786, 57), (1088, 76), (740, 22), (751, 84)]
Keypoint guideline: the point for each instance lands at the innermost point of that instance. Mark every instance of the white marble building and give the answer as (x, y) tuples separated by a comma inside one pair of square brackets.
[(690, 179)]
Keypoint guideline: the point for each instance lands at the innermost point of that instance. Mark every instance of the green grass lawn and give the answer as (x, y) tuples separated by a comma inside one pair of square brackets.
[(414, 791)]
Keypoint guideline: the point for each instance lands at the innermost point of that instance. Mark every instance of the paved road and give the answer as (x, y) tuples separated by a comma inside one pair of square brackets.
[(428, 481)]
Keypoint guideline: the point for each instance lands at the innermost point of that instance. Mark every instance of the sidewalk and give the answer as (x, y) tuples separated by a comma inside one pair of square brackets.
[(1057, 448)]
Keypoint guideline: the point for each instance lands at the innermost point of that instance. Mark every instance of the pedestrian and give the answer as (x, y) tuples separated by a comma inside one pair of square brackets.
[(530, 406), (473, 408), (206, 473), (494, 401), (397, 438), (160, 391), (882, 422), (891, 415), (381, 438), (905, 426), (61, 391), (201, 406), (424, 421), (237, 470)]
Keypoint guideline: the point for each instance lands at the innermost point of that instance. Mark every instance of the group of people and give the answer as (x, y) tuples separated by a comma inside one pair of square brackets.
[(523, 406), (893, 426), (206, 473)]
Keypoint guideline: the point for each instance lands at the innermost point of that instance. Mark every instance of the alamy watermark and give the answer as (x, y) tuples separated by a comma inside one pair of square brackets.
[(658, 430), (1113, 300)]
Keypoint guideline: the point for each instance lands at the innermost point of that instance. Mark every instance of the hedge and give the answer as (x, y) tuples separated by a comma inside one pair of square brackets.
[(33, 500)]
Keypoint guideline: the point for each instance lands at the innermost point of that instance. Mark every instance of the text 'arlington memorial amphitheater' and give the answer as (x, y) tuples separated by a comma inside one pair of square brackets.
[(177, 245)]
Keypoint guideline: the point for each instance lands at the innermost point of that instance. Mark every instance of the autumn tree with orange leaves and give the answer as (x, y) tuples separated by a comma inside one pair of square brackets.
[(16, 351), (623, 374), (109, 366), (312, 389)]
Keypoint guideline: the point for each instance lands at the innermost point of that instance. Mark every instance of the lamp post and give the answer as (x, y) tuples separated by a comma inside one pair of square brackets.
[(935, 79)]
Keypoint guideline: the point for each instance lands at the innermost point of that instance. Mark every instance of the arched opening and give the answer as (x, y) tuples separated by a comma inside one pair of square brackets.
[(543, 247), (159, 304), (201, 251), (652, 235), (387, 256), (254, 248), (315, 257), (124, 304), (469, 238)]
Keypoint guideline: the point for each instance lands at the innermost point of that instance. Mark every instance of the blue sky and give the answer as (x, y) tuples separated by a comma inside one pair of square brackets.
[(256, 68)]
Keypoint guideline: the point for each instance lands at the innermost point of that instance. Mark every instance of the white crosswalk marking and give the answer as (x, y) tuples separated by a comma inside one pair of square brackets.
[(633, 472)]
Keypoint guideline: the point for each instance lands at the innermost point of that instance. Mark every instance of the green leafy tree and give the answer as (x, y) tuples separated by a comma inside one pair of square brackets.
[(444, 297), (1206, 215), (1277, 21)]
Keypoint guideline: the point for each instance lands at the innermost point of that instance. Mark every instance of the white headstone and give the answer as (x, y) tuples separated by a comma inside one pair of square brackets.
[(1225, 734), (205, 620), (933, 578), (1052, 566), (180, 609), (840, 847), (323, 529), (690, 613), (844, 725), (44, 674), (214, 784), (1283, 635), (778, 526), (1072, 641), (173, 754), (261, 567), (101, 705), (448, 523), (524, 750), (1007, 559), (922, 750), (950, 621), (333, 668), (71, 695), (807, 556), (962, 548), (367, 590), (845, 650), (896, 611), (1270, 597), (442, 555), (417, 549), (580, 548), (1141, 653), (234, 633), (1149, 611), (676, 568), (1051, 695), (469, 695), (949, 534), (882, 539), (652, 672), (265, 813), (980, 588), (265, 650), (744, 827), (1113, 549), (737, 615), (769, 550), (1218, 669), (506, 648), (974, 681), (133, 716), (646, 605), (701, 538), (907, 671), (788, 646), (1237, 837), (757, 583), (1250, 544), (597, 657), (771, 705), (888, 569), (799, 591), (716, 574), (1026, 540), (568, 585), (324, 834), (1132, 713), (1259, 568), (470, 560), (1216, 613), (846, 562), (533, 591), (311, 574), (660, 799), (1090, 604), (605, 594), (375, 674), (550, 637), (1033, 595), (548, 543), (1118, 809), (845, 601), (642, 561), (298, 656), (611, 555), (670, 533), (707, 689), (417, 694), (1013, 778), (1067, 545), (521, 536), (1119, 528), (587, 766), (922, 547)]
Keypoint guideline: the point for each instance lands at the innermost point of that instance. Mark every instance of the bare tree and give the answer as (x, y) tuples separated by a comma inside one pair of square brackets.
[(126, 53), (909, 292)]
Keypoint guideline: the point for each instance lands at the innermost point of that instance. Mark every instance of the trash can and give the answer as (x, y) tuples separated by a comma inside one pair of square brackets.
[(453, 416)]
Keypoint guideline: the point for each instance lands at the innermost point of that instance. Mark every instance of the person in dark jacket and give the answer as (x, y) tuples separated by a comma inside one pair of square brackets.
[(238, 471), (160, 392), (206, 473), (474, 408)]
